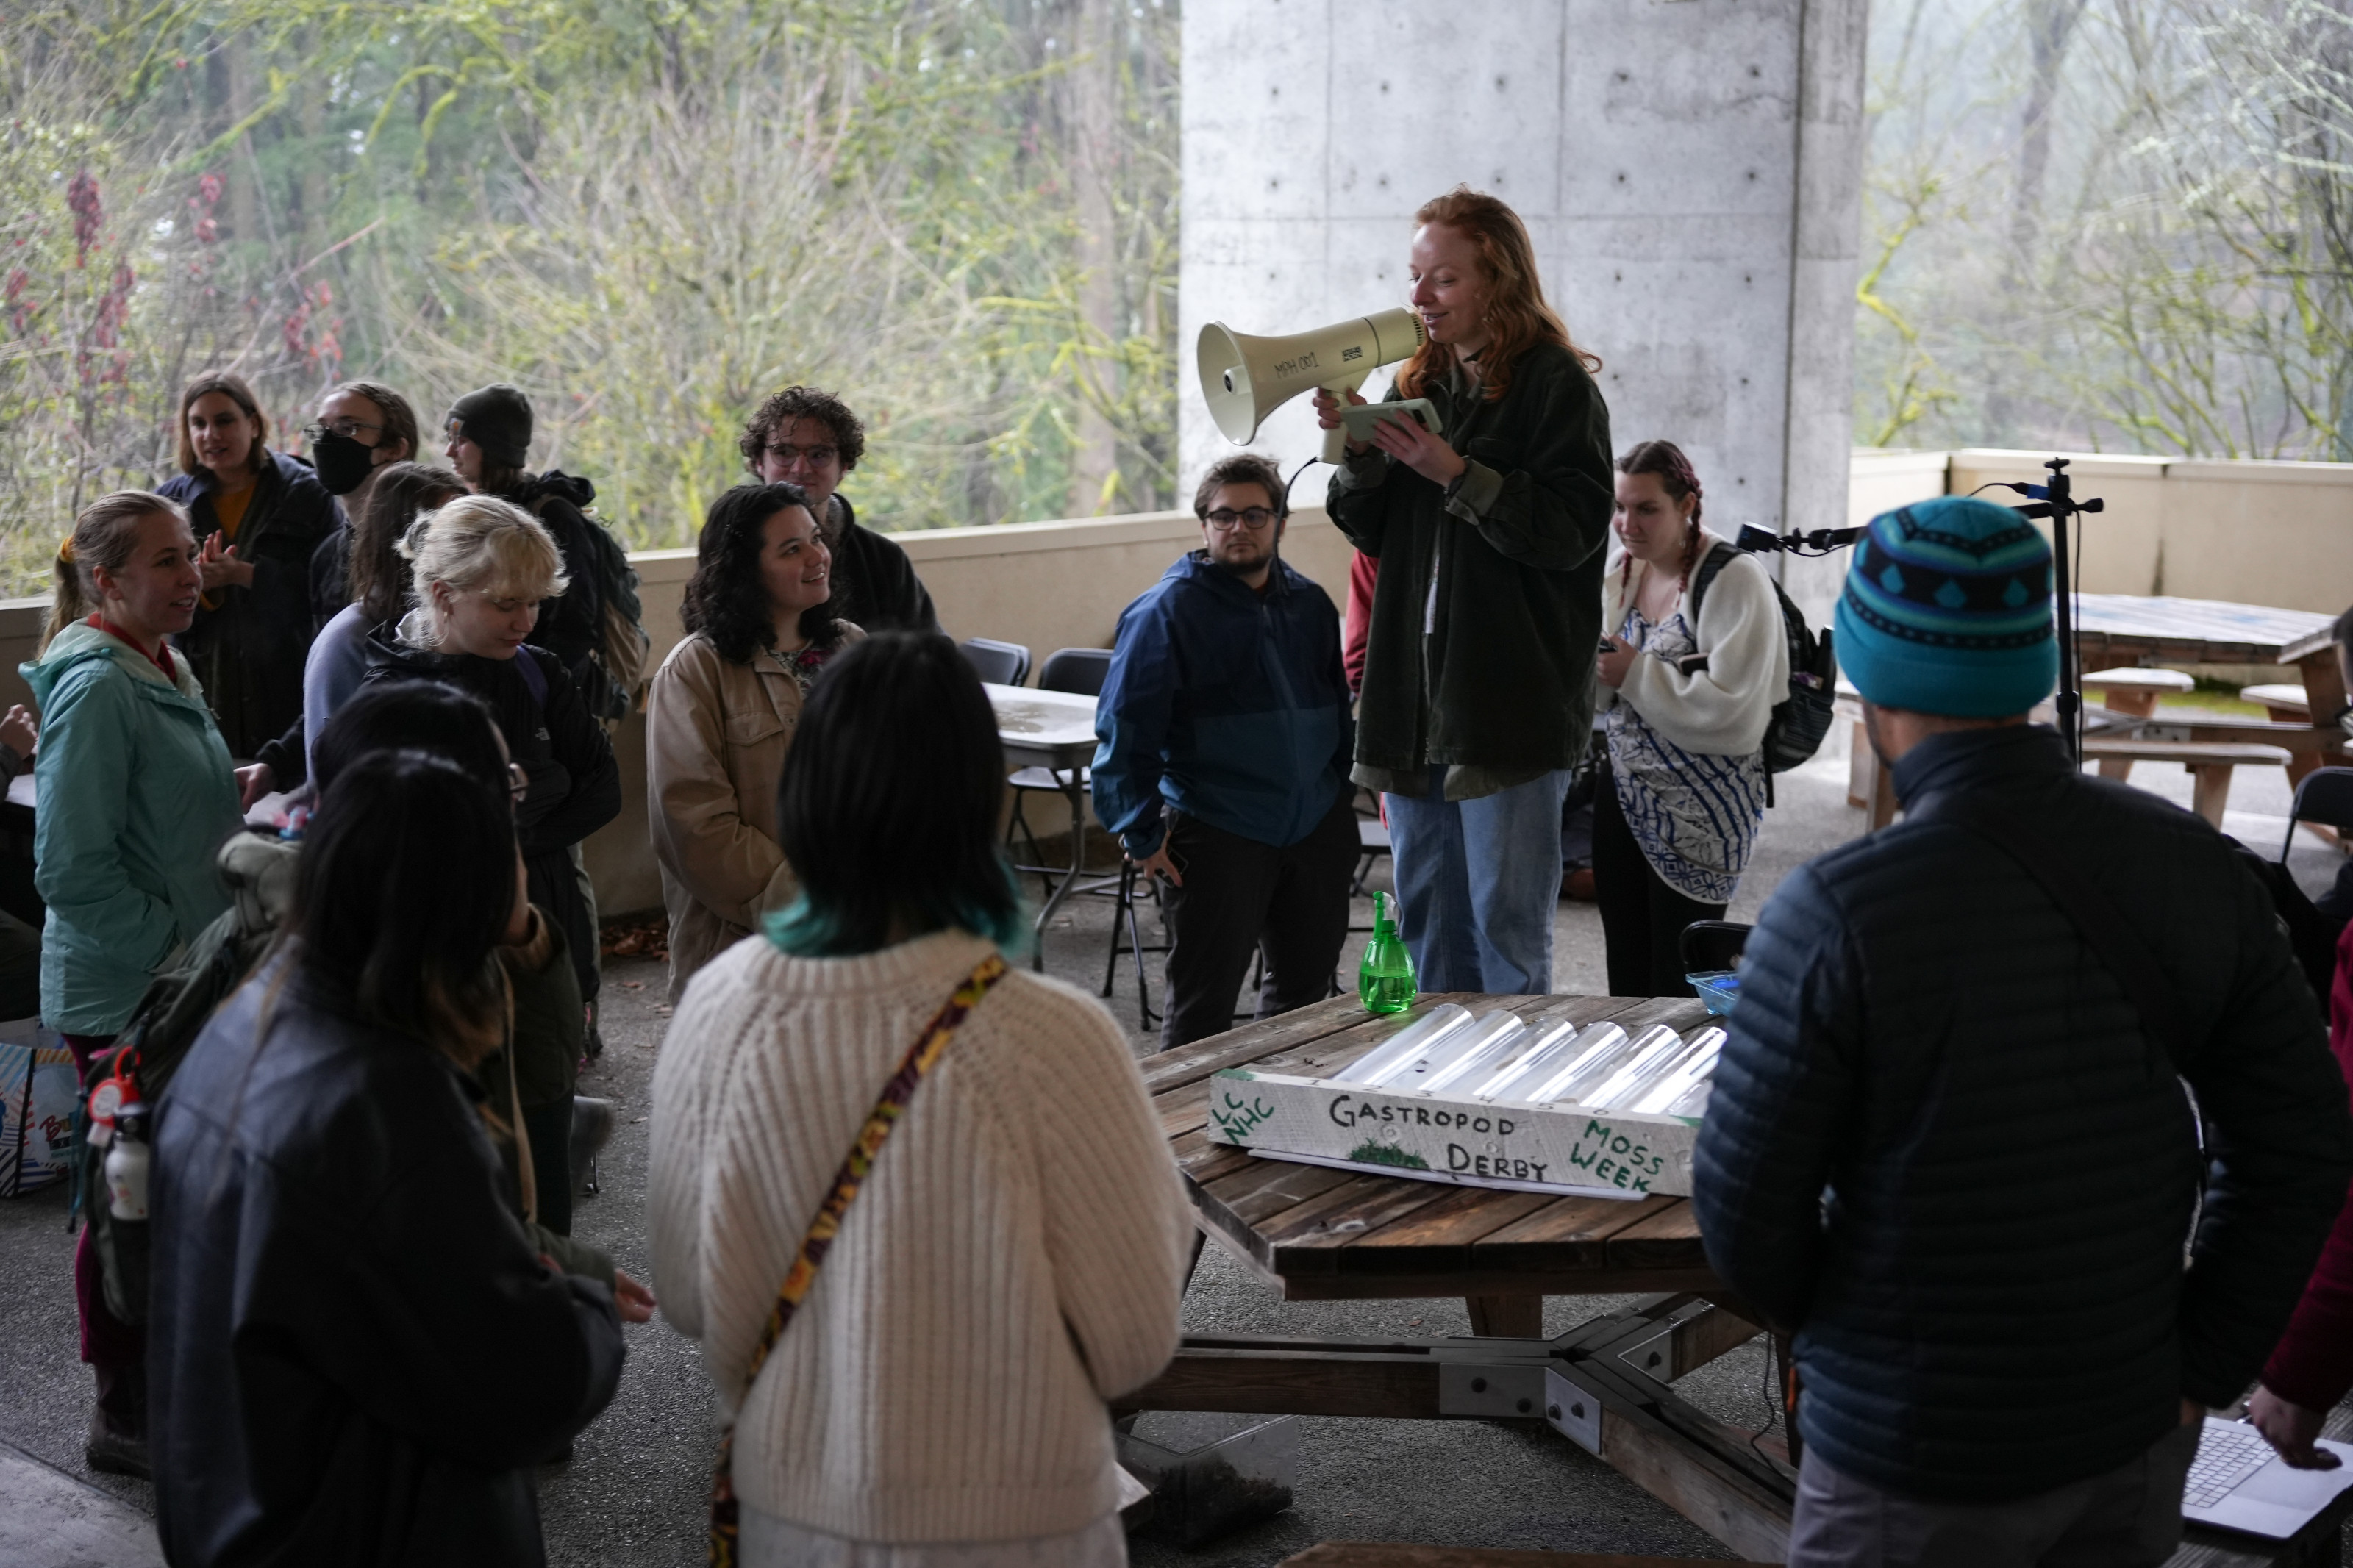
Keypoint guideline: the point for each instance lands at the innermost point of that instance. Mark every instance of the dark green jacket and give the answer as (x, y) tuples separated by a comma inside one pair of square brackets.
[(1506, 679)]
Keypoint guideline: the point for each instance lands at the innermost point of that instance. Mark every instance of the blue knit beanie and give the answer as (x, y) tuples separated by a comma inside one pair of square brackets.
[(1948, 611)]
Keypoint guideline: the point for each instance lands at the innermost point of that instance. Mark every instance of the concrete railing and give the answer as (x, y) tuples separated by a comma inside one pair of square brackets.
[(2247, 532), (2255, 532), (1046, 585)]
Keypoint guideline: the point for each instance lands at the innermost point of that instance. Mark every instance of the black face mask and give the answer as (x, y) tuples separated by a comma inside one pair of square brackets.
[(343, 463)]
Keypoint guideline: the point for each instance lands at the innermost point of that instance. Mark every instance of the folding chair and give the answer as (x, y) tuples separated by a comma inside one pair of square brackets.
[(2325, 797)]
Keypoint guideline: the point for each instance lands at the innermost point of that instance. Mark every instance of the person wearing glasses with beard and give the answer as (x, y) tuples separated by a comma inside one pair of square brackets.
[(1223, 756)]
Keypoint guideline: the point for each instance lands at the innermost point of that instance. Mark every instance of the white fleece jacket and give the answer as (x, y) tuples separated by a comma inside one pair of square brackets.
[(1720, 711), (1015, 1259)]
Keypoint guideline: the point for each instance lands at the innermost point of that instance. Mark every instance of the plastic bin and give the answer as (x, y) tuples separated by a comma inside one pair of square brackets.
[(1719, 988)]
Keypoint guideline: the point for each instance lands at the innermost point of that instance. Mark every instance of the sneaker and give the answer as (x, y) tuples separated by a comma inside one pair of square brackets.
[(592, 1129), (113, 1451), (1578, 884)]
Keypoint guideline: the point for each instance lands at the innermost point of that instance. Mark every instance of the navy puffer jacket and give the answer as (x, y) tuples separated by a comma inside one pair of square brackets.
[(1942, 1151)]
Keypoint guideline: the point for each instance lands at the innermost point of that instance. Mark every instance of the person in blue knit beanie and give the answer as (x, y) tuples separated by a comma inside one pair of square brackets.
[(1948, 611), (1949, 1151)]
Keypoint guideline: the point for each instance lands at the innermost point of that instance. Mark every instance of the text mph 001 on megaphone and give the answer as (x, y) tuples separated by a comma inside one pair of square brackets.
[(1246, 378)]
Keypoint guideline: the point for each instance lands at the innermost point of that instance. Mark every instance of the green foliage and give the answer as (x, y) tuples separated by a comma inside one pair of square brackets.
[(646, 212), (2114, 224)]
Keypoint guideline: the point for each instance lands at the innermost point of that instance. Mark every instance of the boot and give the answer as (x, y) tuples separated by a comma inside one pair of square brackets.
[(117, 1443), (592, 1129)]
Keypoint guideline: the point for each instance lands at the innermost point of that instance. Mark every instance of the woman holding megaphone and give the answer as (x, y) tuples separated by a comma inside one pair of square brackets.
[(1477, 696)]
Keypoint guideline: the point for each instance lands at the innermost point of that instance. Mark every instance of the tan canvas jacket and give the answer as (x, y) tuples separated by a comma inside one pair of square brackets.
[(716, 733)]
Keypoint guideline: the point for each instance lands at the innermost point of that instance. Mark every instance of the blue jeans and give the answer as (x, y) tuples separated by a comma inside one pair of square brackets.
[(1478, 882)]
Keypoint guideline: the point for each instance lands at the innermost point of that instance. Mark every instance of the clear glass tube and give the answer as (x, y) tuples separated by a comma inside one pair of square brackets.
[(1677, 1082), (1408, 1043), (1545, 1042), (1423, 1073), (1572, 1050), (1693, 1102), (1633, 1080), (1485, 1049), (1594, 1085)]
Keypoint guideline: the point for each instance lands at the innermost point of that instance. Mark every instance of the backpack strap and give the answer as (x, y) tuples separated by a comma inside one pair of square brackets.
[(527, 665), (921, 1057), (1719, 557)]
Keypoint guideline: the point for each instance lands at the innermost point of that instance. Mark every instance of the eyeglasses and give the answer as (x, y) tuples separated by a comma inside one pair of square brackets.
[(518, 782), (1225, 520), (818, 457), (349, 429)]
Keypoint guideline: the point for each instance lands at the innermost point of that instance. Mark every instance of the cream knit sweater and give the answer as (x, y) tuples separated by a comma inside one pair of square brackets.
[(1016, 1258), (1722, 710)]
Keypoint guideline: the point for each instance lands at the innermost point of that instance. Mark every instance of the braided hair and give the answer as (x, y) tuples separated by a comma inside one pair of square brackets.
[(1665, 460)]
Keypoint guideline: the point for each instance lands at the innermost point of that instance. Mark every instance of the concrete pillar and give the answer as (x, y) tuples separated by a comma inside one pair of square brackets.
[(1690, 170)]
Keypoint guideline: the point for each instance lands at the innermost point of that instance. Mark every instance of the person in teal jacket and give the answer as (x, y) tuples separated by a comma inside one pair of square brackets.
[(135, 794)]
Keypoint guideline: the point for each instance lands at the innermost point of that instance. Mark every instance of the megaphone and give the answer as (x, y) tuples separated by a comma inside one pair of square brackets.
[(1246, 378)]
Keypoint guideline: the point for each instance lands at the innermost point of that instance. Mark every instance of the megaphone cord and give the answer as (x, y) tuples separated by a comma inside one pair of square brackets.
[(1294, 479)]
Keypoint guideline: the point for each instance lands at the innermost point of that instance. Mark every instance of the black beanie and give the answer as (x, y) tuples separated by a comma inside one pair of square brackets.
[(497, 418)]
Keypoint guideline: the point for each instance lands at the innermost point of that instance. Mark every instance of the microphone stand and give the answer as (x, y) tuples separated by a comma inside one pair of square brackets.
[(2059, 505)]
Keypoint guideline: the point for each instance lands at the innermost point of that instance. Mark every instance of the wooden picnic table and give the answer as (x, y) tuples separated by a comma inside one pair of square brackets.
[(1317, 1232)]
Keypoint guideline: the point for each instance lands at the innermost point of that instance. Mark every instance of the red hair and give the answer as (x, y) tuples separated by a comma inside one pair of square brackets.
[(1516, 312)]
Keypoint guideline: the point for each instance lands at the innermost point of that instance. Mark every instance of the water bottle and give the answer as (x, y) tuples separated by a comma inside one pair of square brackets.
[(126, 1164), (1385, 977)]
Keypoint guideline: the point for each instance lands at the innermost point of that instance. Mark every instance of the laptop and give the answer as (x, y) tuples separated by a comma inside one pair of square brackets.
[(2238, 1483)]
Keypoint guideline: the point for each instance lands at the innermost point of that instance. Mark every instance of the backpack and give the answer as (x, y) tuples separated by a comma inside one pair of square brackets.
[(1794, 734), (615, 678), (172, 1012)]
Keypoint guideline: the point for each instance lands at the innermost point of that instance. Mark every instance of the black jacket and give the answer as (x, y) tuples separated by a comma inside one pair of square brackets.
[(1505, 679), (874, 584), (330, 571), (572, 624), (1941, 1149), (355, 1354), (575, 784), (249, 647)]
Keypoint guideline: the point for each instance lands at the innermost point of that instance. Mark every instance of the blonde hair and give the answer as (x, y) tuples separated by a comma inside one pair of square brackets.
[(103, 536), (480, 544)]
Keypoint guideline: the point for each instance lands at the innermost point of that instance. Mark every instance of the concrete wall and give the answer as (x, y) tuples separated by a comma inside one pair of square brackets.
[(2261, 533), (1690, 172)]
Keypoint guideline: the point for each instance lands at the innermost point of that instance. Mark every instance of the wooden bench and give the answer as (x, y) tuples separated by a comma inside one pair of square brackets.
[(2135, 692), (2281, 704), (2210, 764), (1400, 1555)]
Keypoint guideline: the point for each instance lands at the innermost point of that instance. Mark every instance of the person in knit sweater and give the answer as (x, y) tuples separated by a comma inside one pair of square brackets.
[(1016, 1255), (1696, 659)]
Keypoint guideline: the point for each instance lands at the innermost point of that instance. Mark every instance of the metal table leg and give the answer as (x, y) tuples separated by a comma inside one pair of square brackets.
[(1069, 779)]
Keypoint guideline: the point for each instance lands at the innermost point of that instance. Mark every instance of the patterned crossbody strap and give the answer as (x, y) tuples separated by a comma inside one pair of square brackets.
[(856, 1166)]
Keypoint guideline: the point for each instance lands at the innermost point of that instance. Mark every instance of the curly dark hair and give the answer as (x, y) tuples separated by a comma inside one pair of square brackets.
[(724, 600), (802, 403)]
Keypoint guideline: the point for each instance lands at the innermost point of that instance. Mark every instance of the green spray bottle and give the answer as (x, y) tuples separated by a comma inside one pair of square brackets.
[(1385, 977)]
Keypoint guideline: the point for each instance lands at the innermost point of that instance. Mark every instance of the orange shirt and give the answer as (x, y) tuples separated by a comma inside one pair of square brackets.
[(230, 510)]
